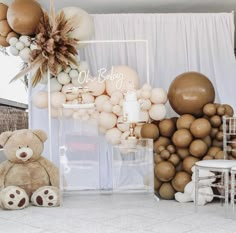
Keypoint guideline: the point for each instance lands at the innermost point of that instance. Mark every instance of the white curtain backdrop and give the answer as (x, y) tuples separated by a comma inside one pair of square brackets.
[(177, 43)]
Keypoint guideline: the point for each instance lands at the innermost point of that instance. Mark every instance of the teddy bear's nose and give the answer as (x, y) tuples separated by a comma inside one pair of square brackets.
[(23, 155)]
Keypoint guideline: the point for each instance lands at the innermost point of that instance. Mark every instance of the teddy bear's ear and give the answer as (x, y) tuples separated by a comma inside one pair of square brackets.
[(40, 134), (4, 137)]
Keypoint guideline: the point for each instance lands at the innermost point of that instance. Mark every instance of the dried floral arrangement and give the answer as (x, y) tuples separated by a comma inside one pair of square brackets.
[(44, 40)]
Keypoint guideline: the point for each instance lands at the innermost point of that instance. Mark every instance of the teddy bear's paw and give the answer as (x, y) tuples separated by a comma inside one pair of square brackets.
[(14, 198), (47, 196)]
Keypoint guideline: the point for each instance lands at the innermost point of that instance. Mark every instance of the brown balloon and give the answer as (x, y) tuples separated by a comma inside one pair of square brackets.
[(23, 16), (158, 158), (219, 155), (4, 28), (3, 11), (198, 148), (166, 191), (157, 184), (182, 138), (209, 109), (207, 140), (217, 143), (200, 128), (167, 127), (213, 151), (180, 180), (189, 92), (188, 163), (174, 158), (215, 121), (228, 110), (214, 131), (150, 131), (207, 157), (219, 136), (3, 41), (183, 153), (165, 154), (171, 149), (164, 171), (185, 121), (161, 141), (221, 110)]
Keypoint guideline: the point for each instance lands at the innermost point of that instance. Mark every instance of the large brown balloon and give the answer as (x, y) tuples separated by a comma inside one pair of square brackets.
[(185, 121), (188, 163), (182, 138), (23, 16), (166, 191), (3, 11), (150, 131), (189, 92), (198, 148), (164, 171), (180, 180), (200, 128), (167, 127)]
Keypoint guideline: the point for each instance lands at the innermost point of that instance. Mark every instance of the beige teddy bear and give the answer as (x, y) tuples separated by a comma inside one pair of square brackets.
[(26, 175)]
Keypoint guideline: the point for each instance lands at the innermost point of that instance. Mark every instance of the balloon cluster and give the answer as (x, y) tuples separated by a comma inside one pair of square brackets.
[(197, 134), (107, 96), (46, 41)]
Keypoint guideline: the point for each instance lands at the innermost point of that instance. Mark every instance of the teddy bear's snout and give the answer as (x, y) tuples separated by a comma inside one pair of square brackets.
[(24, 153)]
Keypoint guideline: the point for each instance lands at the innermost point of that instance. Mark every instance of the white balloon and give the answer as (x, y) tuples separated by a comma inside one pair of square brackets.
[(57, 99), (88, 98), (117, 110), (107, 120), (19, 45), (157, 112), (67, 70), (13, 41), (74, 74), (33, 46), (145, 94), (55, 85), (116, 97), (63, 78), (113, 136), (25, 54), (147, 87), (84, 29), (97, 88), (40, 99), (99, 101), (158, 96), (25, 40), (145, 104), (14, 51)]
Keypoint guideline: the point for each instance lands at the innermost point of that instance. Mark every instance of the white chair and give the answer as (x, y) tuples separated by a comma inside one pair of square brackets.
[(223, 167), (233, 173)]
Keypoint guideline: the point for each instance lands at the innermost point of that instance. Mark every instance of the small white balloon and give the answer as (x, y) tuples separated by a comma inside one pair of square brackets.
[(147, 87), (20, 45), (63, 78), (97, 88), (122, 126), (67, 70), (74, 74), (25, 40), (145, 104), (25, 54), (116, 97), (55, 85), (157, 112), (75, 82), (113, 136), (145, 94), (117, 110), (88, 98), (13, 41), (33, 46), (68, 91), (14, 51), (158, 96)]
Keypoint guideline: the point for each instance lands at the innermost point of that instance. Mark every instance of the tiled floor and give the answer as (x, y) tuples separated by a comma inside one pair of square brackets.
[(130, 213)]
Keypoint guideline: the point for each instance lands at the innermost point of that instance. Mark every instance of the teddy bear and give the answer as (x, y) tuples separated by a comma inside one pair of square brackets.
[(189, 190), (26, 176)]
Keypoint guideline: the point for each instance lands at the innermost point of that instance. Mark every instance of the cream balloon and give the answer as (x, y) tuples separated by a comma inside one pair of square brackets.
[(25, 54), (67, 90), (157, 112), (145, 94), (99, 101), (88, 98), (107, 106), (145, 104), (57, 99), (121, 78), (113, 136), (107, 120), (96, 87), (40, 99), (84, 26), (158, 96), (63, 78), (147, 87), (122, 126), (117, 110), (116, 97)]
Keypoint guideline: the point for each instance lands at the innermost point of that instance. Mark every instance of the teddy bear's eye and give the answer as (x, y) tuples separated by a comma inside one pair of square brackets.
[(19, 147), (27, 146)]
